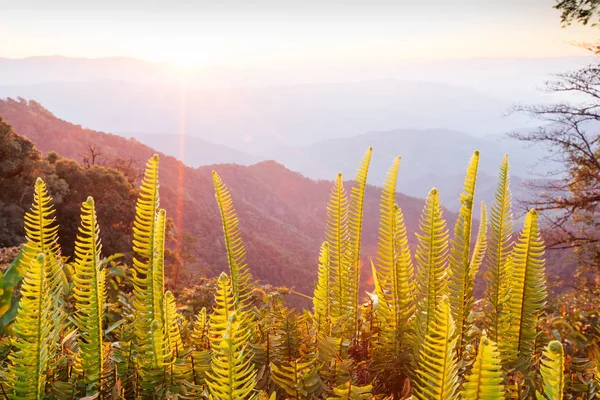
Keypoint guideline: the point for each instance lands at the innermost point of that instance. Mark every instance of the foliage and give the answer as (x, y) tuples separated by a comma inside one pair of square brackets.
[(126, 337)]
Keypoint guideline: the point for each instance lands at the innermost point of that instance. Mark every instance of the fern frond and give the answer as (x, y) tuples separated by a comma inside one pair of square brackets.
[(34, 336), (175, 344), (200, 331), (144, 242), (480, 248), (395, 276), (223, 309), (336, 232), (321, 297), (527, 285), (431, 257), (461, 276), (148, 281), (348, 391), (553, 372), (41, 232), (158, 269), (499, 249), (232, 374), (355, 222), (299, 379), (485, 380), (90, 292), (437, 370), (236, 253)]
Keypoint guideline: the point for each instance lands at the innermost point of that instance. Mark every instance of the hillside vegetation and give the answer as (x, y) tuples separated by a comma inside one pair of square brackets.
[(80, 330)]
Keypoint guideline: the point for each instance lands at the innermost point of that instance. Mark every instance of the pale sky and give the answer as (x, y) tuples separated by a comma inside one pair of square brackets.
[(278, 33)]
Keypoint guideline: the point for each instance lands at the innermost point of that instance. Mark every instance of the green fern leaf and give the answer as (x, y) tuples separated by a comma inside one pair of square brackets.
[(348, 391), (33, 334), (485, 380), (461, 276), (90, 292), (236, 253), (553, 372), (355, 222), (232, 375), (499, 249), (527, 285), (299, 379), (431, 257), (437, 371), (337, 236), (321, 297), (395, 289)]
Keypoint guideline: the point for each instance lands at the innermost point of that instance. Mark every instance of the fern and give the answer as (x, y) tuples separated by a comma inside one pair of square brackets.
[(479, 251), (437, 371), (395, 288), (41, 232), (485, 380), (232, 375), (355, 222), (236, 253), (527, 285), (499, 248), (34, 337), (553, 372), (321, 297), (299, 379), (90, 293), (175, 344), (337, 237), (348, 391), (431, 256), (461, 276), (148, 280)]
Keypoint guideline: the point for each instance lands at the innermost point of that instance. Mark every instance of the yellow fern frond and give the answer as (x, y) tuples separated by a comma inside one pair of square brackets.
[(34, 337), (527, 285), (321, 297), (499, 248), (355, 222), (236, 253), (485, 380), (299, 379), (431, 257), (232, 374), (148, 281), (336, 232), (89, 292), (175, 344), (41, 232), (461, 276), (395, 275), (553, 372), (480, 248), (437, 370), (200, 330), (348, 391)]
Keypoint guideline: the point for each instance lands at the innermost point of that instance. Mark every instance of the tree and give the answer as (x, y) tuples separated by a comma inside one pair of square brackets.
[(70, 184), (581, 11), (20, 164), (570, 200)]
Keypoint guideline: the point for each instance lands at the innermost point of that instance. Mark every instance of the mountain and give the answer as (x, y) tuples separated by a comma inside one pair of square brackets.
[(281, 212), (194, 151), (430, 157), (255, 119)]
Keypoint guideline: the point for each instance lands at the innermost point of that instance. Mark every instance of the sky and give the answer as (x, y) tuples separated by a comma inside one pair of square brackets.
[(279, 33)]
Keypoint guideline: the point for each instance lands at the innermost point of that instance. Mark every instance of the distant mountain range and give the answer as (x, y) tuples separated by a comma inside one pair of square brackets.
[(255, 119)]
